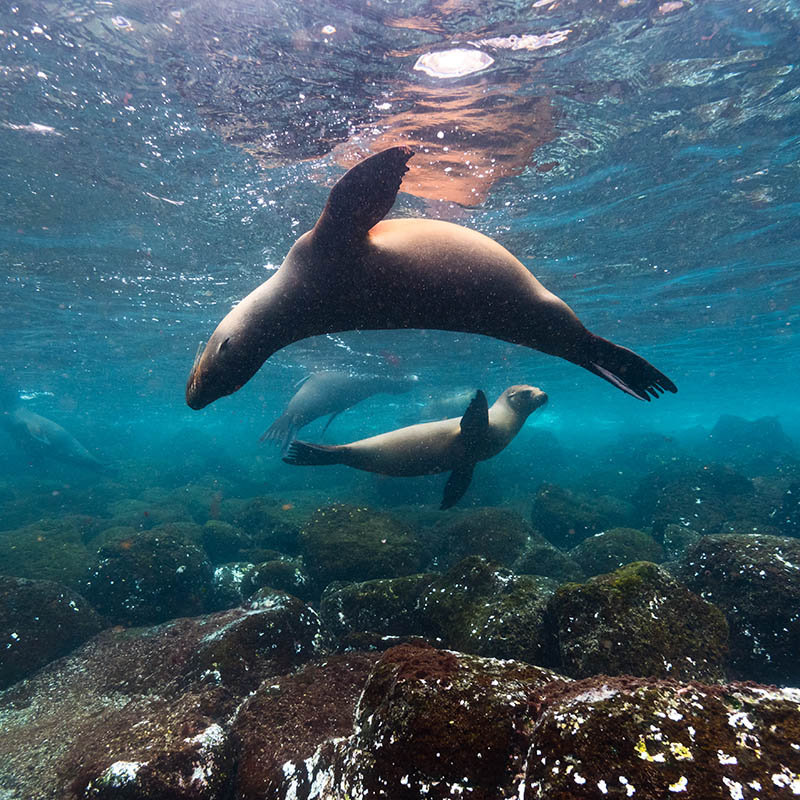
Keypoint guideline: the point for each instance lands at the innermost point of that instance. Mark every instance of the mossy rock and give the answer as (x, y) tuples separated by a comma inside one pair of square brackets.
[(755, 580), (223, 542), (281, 574), (53, 550), (386, 606), (149, 579), (264, 521), (640, 621), (567, 517), (483, 608), (542, 558), (494, 533), (349, 543), (611, 549)]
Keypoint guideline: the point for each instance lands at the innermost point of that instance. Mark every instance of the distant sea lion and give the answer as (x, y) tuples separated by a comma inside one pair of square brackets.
[(354, 271), (449, 445), (40, 436), (331, 393)]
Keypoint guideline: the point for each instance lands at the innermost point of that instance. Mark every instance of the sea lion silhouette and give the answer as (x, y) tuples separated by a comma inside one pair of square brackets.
[(356, 271)]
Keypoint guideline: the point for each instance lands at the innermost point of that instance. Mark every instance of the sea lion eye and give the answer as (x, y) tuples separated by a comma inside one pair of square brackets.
[(223, 345)]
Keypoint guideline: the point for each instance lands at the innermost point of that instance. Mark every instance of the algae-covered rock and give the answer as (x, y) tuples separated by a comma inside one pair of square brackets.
[(479, 607), (566, 517), (348, 543), (677, 540), (708, 499), (637, 738), (641, 621), (430, 723), (50, 549), (228, 581), (258, 518), (152, 578), (540, 557), (494, 533), (608, 550), (224, 542), (284, 574), (40, 621), (755, 580), (274, 633), (386, 606)]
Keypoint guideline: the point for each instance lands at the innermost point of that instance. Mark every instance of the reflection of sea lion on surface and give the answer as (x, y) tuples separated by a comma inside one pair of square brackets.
[(330, 393), (40, 436), (450, 445), (357, 271)]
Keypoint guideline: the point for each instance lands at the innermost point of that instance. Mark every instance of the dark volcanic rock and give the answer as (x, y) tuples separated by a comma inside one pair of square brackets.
[(479, 607), (494, 533), (542, 558), (787, 516), (283, 574), (752, 444), (641, 621), (40, 621), (386, 606), (430, 723), (708, 499), (345, 543), (151, 578), (224, 542), (257, 517), (292, 715), (755, 580), (565, 517), (145, 713), (611, 549), (628, 737)]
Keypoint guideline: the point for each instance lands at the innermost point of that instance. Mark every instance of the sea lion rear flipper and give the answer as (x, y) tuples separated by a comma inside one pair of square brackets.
[(625, 369), (456, 485), (475, 422), (361, 198), (282, 430), (305, 454)]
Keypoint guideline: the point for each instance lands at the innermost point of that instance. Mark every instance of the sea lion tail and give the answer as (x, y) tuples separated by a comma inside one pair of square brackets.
[(305, 454), (282, 430), (625, 369)]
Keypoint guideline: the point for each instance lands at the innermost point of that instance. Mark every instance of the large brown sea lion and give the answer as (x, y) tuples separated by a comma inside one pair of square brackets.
[(356, 271), (449, 445), (330, 393)]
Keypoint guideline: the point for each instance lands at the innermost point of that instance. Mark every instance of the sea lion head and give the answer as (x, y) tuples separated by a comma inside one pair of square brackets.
[(223, 366), (524, 399)]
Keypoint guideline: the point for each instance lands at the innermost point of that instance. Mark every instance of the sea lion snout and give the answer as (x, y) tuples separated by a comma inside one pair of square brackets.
[(525, 399)]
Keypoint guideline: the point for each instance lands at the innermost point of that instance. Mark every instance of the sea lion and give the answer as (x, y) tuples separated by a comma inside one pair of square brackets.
[(41, 437), (356, 271), (449, 445), (331, 393)]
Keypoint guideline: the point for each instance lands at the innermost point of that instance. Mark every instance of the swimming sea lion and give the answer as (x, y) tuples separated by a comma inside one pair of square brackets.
[(330, 393), (40, 436), (356, 271), (449, 445)]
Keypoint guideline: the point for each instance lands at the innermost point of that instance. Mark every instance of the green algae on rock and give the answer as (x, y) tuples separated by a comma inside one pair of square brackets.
[(566, 517), (629, 737), (611, 549), (40, 621), (755, 580), (350, 543), (479, 607), (429, 723), (641, 621), (387, 606)]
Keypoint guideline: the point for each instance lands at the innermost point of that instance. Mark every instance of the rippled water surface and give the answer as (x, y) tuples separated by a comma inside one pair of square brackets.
[(641, 158)]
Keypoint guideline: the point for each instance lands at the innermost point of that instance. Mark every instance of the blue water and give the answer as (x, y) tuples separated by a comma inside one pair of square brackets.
[(159, 160)]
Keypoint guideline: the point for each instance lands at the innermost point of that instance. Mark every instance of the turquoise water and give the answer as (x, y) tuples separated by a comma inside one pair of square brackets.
[(158, 162)]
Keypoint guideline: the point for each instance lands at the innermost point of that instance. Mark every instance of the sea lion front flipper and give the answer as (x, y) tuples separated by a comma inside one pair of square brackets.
[(331, 418), (475, 422), (361, 198), (456, 485), (36, 433)]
